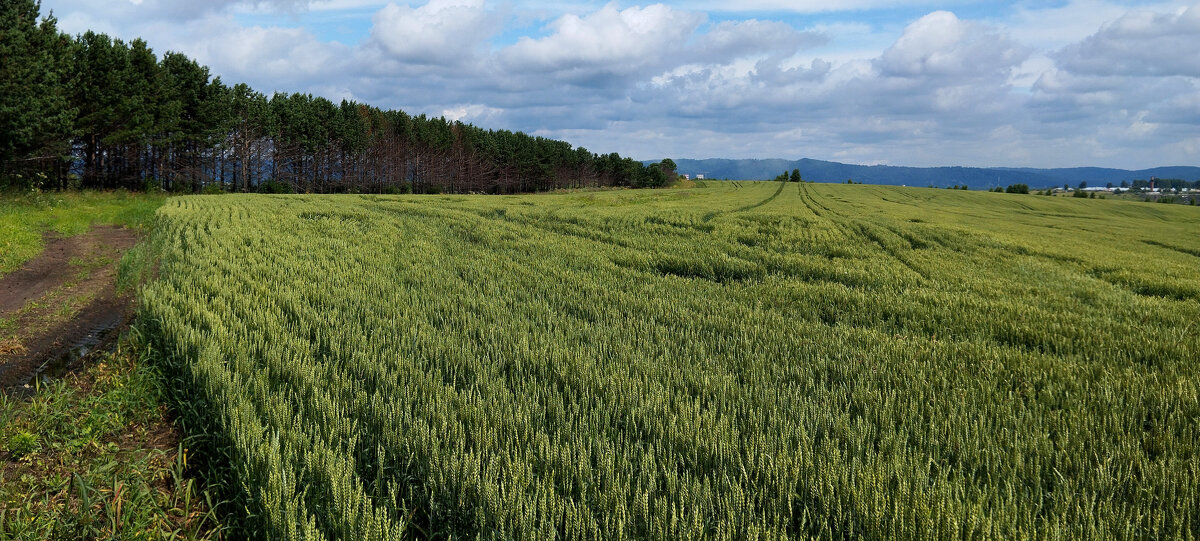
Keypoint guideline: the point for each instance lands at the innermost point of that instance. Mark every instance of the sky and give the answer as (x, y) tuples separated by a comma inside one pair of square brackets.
[(927, 83)]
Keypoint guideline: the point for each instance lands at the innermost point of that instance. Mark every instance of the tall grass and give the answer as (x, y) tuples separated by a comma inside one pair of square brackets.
[(24, 216)]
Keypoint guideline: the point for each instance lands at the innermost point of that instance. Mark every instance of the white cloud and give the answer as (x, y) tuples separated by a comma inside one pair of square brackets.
[(1140, 43), (1087, 82), (472, 112), (439, 32), (734, 39), (607, 41), (1052, 28), (941, 44), (804, 6), (269, 58), (79, 22)]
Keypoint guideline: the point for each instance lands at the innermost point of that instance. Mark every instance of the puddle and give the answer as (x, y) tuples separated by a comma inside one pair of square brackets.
[(99, 338)]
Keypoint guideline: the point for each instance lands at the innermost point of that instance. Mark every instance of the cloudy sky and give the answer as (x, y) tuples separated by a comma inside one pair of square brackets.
[(1039, 84)]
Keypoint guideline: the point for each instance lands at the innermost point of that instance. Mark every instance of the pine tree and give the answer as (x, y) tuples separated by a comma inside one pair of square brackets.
[(35, 120)]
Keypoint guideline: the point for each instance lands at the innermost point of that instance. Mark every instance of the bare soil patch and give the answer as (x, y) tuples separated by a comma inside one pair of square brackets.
[(62, 305)]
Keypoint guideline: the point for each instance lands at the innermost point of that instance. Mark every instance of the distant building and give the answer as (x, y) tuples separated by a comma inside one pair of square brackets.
[(699, 177), (687, 176)]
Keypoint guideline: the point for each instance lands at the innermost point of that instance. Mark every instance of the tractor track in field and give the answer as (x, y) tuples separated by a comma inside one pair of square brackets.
[(1179, 249), (865, 231), (710, 216), (61, 306), (806, 198), (778, 191)]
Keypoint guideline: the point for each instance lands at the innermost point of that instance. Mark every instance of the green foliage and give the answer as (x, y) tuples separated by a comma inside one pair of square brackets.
[(668, 168), (25, 217), (749, 359), (398, 190), (653, 176), (1017, 188), (35, 120), (1164, 184), (122, 116), (271, 186), (22, 443), (88, 468), (1080, 194), (794, 176)]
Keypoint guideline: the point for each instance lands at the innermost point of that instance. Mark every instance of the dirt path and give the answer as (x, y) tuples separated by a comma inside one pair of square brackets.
[(61, 305)]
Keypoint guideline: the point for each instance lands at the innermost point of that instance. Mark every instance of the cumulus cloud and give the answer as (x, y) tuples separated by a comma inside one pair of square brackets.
[(955, 91), (167, 10), (1119, 87), (273, 58), (1129, 85), (942, 45), (471, 112), (1140, 43), (803, 6), (439, 32), (639, 56), (729, 40), (606, 42)]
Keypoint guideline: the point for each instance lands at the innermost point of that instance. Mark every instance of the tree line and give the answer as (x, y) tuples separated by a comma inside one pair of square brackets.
[(95, 112), (1165, 184), (794, 176)]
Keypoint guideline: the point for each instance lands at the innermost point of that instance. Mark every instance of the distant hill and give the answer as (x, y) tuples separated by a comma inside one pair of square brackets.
[(976, 177)]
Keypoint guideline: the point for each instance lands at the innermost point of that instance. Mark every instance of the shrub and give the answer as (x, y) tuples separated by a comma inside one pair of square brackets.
[(23, 444), (272, 186), (398, 189)]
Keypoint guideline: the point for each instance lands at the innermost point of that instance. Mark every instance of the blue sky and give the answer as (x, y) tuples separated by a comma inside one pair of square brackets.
[(1039, 84)]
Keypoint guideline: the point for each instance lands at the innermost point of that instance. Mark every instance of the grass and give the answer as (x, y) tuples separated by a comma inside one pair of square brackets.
[(741, 360), (24, 217), (92, 457)]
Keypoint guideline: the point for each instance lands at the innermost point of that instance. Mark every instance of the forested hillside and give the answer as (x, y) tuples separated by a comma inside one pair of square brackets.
[(92, 111), (978, 178)]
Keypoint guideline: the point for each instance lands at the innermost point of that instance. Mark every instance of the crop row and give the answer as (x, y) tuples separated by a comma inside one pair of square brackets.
[(804, 361)]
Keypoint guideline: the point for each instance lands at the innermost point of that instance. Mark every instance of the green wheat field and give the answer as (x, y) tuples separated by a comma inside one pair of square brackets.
[(744, 360)]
